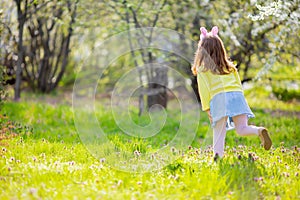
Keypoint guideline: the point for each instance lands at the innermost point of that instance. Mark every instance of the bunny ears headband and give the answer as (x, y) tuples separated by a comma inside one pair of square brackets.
[(214, 31)]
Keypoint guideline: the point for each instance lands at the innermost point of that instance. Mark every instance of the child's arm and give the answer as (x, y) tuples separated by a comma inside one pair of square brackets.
[(209, 115), (204, 92)]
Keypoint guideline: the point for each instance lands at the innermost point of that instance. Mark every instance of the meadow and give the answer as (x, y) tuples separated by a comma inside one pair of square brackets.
[(42, 157)]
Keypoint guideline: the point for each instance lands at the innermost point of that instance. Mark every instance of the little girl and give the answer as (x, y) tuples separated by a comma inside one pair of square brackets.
[(221, 92)]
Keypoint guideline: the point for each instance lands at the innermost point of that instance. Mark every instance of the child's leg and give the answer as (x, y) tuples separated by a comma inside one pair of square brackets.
[(242, 128), (219, 136)]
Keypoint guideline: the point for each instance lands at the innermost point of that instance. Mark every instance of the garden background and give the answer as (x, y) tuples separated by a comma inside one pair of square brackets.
[(46, 48)]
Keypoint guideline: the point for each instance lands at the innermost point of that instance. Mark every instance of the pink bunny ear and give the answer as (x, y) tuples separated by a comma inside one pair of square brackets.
[(214, 31), (203, 33)]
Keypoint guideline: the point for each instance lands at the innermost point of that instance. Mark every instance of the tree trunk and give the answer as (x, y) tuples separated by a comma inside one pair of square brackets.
[(19, 64), (21, 21), (157, 92), (45, 69)]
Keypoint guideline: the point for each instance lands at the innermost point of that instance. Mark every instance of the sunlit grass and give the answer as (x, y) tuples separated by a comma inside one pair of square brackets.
[(261, 98), (52, 163)]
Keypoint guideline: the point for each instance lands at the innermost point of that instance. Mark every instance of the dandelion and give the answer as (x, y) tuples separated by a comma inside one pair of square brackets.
[(137, 153), (287, 167), (281, 143), (255, 157), (56, 163), (152, 157), (258, 179), (72, 163), (176, 177), (139, 182), (286, 174), (239, 157), (119, 183), (250, 157), (32, 191), (216, 157), (173, 150)]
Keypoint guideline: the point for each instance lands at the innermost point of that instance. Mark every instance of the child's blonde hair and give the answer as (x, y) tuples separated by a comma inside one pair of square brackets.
[(211, 56)]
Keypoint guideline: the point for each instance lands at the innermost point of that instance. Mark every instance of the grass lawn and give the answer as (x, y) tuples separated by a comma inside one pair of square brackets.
[(42, 157)]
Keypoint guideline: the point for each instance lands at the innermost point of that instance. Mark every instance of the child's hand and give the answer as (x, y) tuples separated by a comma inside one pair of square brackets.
[(209, 115)]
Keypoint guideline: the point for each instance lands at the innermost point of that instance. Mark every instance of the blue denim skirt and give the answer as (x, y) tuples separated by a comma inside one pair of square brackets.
[(229, 104)]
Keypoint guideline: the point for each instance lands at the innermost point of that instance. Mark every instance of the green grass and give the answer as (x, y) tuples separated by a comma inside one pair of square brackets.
[(48, 161)]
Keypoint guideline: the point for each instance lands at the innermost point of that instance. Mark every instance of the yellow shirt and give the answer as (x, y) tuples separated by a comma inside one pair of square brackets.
[(211, 84)]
